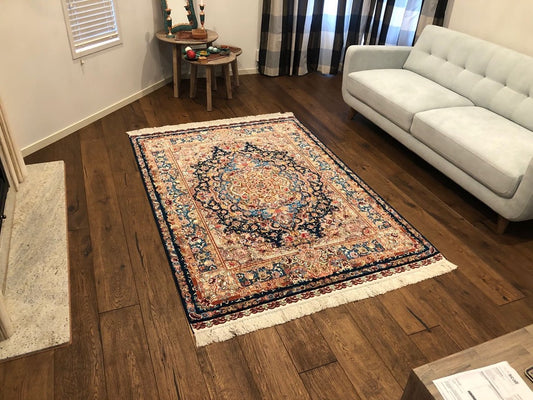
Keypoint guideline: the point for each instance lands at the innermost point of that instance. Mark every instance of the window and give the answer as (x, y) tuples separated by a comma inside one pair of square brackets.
[(92, 25)]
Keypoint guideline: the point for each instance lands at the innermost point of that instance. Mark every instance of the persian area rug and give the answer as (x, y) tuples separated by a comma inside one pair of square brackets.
[(263, 224)]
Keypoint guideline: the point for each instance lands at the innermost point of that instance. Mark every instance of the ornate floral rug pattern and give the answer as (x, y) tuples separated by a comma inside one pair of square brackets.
[(263, 224)]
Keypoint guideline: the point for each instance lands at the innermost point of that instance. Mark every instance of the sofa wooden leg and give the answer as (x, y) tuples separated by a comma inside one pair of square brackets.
[(353, 113), (501, 225)]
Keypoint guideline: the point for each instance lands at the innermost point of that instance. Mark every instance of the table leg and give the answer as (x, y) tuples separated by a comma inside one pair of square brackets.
[(235, 72), (194, 73), (227, 79), (176, 68), (214, 78), (208, 77)]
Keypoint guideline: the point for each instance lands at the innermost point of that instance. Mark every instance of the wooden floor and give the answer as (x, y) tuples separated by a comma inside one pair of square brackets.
[(130, 338)]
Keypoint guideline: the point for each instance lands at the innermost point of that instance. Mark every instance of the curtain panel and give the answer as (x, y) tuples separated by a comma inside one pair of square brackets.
[(301, 36)]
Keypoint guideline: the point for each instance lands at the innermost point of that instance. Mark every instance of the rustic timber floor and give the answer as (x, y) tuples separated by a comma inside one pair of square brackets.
[(130, 338)]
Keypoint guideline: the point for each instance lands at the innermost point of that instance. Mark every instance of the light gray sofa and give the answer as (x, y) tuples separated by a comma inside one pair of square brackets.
[(463, 104)]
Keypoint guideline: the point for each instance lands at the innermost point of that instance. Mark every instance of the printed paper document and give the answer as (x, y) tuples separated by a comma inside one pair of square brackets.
[(495, 382)]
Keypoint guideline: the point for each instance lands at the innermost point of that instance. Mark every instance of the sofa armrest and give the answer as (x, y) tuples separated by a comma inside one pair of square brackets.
[(524, 196), (360, 58)]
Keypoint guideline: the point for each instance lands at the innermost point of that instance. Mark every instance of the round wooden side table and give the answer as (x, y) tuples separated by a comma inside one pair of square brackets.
[(210, 66), (181, 40)]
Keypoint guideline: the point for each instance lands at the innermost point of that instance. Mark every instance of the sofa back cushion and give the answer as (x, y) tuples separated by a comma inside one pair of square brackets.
[(491, 76)]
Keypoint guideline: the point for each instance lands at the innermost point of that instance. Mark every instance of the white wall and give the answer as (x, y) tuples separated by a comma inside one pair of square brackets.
[(47, 95), (508, 23), (238, 23)]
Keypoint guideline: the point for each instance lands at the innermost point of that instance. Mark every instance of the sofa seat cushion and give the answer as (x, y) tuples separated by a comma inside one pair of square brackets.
[(491, 149), (399, 94)]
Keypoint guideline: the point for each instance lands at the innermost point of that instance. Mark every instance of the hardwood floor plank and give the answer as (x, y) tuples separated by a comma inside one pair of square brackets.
[(329, 382), (274, 374), (114, 279), (435, 343), (28, 378), (306, 346), (465, 293), (169, 338), (134, 118), (149, 109), (496, 288), (128, 366), (397, 350), (518, 313), (79, 367), (227, 373), (370, 375), (411, 313), (462, 328)]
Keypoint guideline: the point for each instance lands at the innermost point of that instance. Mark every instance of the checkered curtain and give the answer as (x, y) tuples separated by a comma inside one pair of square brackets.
[(301, 36)]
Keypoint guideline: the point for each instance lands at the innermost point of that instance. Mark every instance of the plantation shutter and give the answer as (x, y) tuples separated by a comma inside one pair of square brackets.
[(92, 25)]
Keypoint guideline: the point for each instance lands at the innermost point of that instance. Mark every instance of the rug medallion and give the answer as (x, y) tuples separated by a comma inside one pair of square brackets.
[(262, 224)]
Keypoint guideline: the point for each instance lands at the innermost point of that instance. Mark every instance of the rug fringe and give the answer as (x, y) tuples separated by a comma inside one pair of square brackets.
[(292, 311), (207, 124)]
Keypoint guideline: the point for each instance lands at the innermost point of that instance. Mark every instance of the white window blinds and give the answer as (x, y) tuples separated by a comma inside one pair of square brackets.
[(91, 24)]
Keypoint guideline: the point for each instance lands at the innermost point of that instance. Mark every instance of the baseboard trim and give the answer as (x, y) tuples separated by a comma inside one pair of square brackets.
[(54, 137), (247, 71)]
